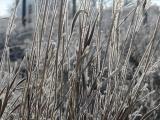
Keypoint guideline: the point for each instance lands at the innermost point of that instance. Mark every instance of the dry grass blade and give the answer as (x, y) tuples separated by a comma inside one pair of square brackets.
[(5, 101), (75, 19), (2, 91), (89, 37), (86, 37), (7, 96), (0, 105), (15, 108), (126, 17), (148, 114)]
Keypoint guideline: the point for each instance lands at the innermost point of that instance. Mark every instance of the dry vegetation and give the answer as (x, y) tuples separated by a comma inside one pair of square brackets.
[(101, 65)]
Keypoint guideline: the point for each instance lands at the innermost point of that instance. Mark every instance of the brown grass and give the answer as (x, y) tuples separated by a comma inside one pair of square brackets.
[(54, 89)]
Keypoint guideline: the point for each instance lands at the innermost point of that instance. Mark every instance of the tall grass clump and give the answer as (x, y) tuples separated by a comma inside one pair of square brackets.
[(76, 71)]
